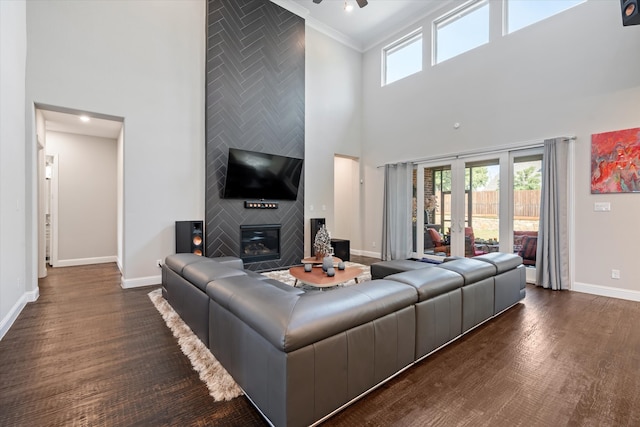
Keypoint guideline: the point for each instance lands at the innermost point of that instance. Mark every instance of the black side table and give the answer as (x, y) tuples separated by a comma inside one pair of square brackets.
[(341, 249)]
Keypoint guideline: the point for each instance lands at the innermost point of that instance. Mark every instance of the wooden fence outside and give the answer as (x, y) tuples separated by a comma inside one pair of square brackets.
[(485, 203)]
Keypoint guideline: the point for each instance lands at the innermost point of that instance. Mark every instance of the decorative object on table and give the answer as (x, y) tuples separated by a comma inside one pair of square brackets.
[(327, 262), (322, 243), (341, 265), (308, 267), (615, 161), (331, 271)]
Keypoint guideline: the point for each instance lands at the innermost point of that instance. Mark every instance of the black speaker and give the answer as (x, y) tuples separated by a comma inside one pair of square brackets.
[(316, 224), (190, 237), (630, 13)]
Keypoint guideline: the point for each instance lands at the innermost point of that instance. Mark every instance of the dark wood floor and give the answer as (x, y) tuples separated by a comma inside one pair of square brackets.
[(89, 353)]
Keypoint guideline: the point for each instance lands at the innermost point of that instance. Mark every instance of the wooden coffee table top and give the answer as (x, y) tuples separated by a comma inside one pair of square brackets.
[(318, 278)]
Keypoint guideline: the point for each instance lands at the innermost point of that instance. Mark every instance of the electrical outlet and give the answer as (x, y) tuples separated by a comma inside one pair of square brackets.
[(373, 244), (159, 263), (615, 274)]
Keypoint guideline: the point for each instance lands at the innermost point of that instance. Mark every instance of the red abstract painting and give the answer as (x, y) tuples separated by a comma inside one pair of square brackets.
[(615, 161)]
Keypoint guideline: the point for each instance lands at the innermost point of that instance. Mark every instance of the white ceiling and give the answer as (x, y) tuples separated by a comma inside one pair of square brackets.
[(364, 27), (70, 123)]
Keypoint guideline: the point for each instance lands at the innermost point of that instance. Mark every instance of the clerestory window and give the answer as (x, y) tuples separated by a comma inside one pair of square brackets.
[(521, 13), (402, 58), (460, 30)]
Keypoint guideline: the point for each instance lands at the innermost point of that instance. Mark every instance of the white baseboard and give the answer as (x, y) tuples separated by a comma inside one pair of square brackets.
[(86, 261), (140, 282), (606, 291), (365, 253), (15, 311)]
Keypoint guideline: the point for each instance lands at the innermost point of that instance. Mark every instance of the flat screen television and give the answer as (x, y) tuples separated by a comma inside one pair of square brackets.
[(253, 175)]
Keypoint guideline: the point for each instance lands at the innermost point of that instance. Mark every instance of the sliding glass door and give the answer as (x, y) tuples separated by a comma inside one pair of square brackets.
[(482, 206), (527, 180), (435, 209), (474, 205)]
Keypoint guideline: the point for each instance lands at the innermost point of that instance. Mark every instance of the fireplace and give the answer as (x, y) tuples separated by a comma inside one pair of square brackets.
[(259, 242)]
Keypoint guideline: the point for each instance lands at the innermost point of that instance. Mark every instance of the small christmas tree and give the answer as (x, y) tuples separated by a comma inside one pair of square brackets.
[(322, 243)]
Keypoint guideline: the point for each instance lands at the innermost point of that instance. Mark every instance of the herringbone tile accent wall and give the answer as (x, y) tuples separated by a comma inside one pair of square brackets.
[(255, 101)]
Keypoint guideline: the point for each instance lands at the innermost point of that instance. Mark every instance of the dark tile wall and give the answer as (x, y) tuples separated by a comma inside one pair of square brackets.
[(254, 101)]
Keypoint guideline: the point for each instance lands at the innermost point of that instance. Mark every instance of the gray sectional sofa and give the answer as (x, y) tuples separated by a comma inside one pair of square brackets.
[(302, 356)]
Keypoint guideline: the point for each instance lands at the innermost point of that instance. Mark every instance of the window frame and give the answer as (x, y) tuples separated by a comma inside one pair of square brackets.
[(452, 16), (505, 16), (398, 45)]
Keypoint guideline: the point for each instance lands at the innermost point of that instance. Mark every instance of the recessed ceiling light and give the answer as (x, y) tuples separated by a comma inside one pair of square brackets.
[(348, 7), (84, 118)]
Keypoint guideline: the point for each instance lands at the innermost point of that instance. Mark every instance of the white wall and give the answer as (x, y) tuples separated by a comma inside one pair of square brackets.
[(573, 74), (333, 122), (14, 273), (144, 61), (86, 195)]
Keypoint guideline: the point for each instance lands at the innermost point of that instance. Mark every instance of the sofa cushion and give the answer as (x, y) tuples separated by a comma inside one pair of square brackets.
[(382, 269), (435, 236), (471, 270), (502, 261), (230, 261), (256, 275), (201, 273), (529, 248), (177, 262), (290, 321), (429, 282)]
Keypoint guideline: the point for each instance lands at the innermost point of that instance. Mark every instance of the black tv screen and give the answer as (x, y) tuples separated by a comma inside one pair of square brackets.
[(253, 175)]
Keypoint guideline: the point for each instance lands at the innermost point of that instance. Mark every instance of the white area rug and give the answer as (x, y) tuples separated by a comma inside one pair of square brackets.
[(220, 384)]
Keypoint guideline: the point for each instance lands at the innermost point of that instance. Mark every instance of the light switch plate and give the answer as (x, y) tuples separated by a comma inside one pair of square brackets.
[(602, 206)]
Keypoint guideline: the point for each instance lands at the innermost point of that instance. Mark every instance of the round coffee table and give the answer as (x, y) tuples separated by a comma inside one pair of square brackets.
[(318, 278)]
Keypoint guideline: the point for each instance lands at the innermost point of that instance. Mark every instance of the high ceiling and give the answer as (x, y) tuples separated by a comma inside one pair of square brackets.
[(364, 27), (361, 29)]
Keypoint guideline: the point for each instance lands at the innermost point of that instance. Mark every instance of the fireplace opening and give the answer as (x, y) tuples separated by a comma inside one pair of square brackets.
[(259, 242)]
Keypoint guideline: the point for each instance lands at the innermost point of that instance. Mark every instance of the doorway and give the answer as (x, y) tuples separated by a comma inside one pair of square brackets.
[(80, 187), (346, 199)]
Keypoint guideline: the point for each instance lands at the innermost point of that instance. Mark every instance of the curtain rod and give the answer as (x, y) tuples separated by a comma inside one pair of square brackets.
[(499, 149)]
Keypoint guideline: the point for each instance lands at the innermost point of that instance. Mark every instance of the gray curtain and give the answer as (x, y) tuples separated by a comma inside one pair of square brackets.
[(396, 216), (552, 258)]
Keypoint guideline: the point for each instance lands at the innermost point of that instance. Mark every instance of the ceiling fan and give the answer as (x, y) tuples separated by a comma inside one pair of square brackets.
[(361, 3)]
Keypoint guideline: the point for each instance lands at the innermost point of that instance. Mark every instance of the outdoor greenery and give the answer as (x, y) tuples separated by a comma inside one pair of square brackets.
[(480, 178), (527, 179)]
